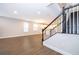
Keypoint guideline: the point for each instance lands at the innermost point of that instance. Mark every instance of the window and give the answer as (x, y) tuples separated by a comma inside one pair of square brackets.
[(35, 27), (26, 27)]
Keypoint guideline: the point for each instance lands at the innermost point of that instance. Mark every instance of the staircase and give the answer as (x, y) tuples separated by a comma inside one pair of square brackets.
[(61, 34)]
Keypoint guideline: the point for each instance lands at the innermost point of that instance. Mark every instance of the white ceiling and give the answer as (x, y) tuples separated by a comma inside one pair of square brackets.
[(36, 12)]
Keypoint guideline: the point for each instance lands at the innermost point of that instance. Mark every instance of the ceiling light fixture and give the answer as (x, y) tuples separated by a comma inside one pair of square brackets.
[(39, 12), (15, 12)]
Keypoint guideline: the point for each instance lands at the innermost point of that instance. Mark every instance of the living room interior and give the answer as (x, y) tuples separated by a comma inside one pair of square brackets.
[(39, 28)]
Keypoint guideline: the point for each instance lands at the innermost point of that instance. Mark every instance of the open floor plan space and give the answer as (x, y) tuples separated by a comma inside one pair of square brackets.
[(27, 45), (39, 28)]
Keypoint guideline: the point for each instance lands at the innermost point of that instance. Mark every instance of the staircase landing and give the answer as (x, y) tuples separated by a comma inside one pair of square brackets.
[(67, 44)]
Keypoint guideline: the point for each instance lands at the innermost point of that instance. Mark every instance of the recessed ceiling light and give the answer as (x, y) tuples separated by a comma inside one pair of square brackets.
[(38, 12), (15, 12)]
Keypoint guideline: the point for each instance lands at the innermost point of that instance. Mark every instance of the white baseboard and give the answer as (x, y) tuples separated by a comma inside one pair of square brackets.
[(11, 36), (15, 36)]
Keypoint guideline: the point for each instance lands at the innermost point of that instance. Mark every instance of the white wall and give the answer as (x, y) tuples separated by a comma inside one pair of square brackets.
[(55, 9), (13, 27), (63, 43)]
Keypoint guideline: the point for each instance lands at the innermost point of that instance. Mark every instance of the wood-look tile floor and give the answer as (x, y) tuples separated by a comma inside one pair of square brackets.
[(27, 45)]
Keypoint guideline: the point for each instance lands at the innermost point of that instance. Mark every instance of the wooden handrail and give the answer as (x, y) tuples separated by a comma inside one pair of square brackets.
[(62, 13), (52, 21)]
